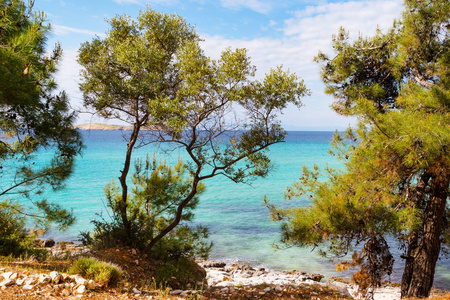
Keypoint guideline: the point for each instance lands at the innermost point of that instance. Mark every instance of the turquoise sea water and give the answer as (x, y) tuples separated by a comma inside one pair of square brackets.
[(235, 214)]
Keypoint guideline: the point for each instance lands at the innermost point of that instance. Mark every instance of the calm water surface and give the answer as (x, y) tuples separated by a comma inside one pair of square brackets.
[(235, 214)]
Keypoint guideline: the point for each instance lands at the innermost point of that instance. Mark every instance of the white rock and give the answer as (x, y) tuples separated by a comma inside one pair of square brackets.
[(55, 276), (137, 262), (81, 289), (184, 294), (80, 280), (7, 282), (31, 280), (225, 284), (176, 292), (6, 275), (136, 291), (65, 292), (14, 276), (20, 281), (387, 293), (28, 287), (267, 289), (341, 287), (44, 279), (133, 251)]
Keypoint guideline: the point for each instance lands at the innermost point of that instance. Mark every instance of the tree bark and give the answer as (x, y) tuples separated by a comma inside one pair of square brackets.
[(123, 178), (178, 216), (424, 246)]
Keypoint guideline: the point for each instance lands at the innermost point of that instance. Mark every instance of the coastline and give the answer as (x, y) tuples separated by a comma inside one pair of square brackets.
[(237, 278), (98, 126)]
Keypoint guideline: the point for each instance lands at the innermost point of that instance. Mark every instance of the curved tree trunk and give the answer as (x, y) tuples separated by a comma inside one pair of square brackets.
[(178, 215), (424, 247), (123, 178)]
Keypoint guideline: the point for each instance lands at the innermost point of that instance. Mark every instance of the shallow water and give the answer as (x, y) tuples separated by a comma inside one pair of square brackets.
[(235, 213)]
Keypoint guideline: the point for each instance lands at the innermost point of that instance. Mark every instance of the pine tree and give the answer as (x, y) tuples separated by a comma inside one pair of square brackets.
[(397, 175), (32, 118)]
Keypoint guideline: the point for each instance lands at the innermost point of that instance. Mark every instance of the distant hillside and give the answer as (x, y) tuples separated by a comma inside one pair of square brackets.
[(97, 126)]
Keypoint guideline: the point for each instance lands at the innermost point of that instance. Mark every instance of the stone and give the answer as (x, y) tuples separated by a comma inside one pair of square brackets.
[(184, 294), (56, 277), (341, 287), (31, 280), (65, 277), (214, 264), (91, 285), (7, 275), (176, 292), (65, 293), (133, 251), (7, 282), (81, 289), (44, 279), (136, 291), (28, 287), (224, 284), (49, 243), (267, 289), (137, 262), (80, 280), (20, 281)]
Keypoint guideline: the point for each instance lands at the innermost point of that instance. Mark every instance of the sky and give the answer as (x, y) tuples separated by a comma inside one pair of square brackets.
[(275, 32)]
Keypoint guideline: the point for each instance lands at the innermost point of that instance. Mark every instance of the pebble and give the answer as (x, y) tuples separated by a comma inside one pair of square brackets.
[(80, 280), (81, 289), (7, 282), (176, 292)]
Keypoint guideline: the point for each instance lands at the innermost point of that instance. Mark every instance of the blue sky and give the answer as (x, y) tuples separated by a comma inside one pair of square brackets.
[(283, 32)]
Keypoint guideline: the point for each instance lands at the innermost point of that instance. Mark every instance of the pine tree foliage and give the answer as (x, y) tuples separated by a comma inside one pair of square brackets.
[(397, 161), (32, 118)]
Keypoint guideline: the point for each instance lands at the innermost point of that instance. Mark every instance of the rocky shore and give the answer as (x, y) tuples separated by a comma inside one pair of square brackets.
[(222, 281), (230, 277)]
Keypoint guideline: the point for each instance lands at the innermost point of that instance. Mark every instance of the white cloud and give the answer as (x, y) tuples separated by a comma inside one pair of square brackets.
[(361, 16), (256, 5), (63, 30), (307, 32)]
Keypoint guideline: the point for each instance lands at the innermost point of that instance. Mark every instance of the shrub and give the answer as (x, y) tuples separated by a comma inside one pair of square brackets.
[(101, 272), (15, 239), (179, 273), (156, 193)]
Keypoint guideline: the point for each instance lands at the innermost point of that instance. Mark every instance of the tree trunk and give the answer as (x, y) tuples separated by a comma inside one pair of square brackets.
[(178, 216), (123, 179), (425, 245)]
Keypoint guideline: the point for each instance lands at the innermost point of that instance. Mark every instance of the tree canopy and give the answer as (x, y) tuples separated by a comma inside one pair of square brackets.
[(397, 162), (32, 117), (153, 74)]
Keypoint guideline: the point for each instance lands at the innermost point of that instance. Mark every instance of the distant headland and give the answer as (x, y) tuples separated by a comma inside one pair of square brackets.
[(98, 126)]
